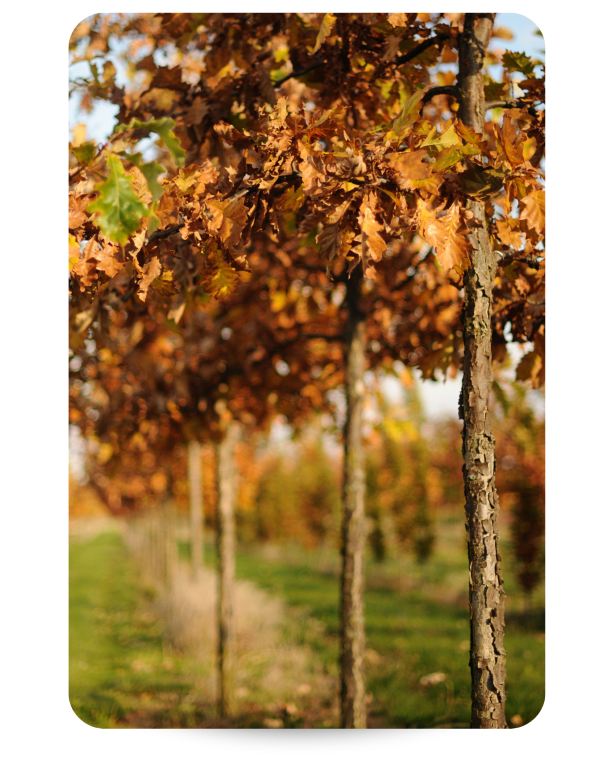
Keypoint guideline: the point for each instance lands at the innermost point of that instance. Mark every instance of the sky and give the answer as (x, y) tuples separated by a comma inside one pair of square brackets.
[(439, 398)]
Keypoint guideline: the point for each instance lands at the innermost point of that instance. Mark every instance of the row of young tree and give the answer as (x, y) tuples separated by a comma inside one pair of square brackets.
[(332, 200)]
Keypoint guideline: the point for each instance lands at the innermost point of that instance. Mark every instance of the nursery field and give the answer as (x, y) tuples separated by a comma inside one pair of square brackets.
[(127, 671)]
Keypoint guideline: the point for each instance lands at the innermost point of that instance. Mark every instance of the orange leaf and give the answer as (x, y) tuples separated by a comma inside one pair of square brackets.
[(534, 210)]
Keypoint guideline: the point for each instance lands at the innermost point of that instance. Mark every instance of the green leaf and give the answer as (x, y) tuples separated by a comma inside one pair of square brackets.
[(518, 62), (119, 209), (163, 126), (85, 153), (451, 155), (150, 171)]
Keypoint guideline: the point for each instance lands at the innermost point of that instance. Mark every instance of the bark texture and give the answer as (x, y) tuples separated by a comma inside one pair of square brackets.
[(486, 596), (353, 704), (225, 544), (195, 475)]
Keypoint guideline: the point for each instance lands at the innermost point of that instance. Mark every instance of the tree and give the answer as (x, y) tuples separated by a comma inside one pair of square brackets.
[(386, 160)]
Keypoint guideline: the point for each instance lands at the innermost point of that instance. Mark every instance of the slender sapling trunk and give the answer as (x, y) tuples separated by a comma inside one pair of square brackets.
[(225, 545), (486, 596), (353, 704)]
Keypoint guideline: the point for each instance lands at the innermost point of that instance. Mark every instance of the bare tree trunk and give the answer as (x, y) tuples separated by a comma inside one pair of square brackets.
[(486, 596), (168, 542), (225, 545), (353, 704), (196, 506)]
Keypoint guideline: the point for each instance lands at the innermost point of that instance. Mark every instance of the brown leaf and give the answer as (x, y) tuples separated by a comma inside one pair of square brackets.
[(149, 272), (408, 167), (534, 210), (453, 247), (228, 219), (196, 112), (511, 142), (76, 211), (108, 261), (228, 132), (373, 244)]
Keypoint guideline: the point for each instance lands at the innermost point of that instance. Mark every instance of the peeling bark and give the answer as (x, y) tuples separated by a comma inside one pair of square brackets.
[(353, 704), (196, 506), (225, 545), (486, 595)]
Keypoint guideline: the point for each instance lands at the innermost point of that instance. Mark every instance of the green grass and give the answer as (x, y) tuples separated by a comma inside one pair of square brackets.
[(416, 625), (121, 674)]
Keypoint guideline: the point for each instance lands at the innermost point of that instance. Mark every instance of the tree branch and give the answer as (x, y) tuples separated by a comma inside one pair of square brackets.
[(161, 234), (423, 46), (439, 90), (298, 73), (508, 258)]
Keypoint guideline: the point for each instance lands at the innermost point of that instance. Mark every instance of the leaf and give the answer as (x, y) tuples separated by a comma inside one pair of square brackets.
[(471, 136), (74, 252), (228, 219), (518, 62), (408, 116), (119, 209), (150, 171), (107, 261), (335, 238), (85, 153), (479, 182), (408, 167), (150, 271), (165, 284), (218, 279), (328, 22), (510, 142), (85, 270), (534, 210), (447, 139), (372, 241), (163, 126), (397, 19), (452, 155), (453, 247), (292, 199)]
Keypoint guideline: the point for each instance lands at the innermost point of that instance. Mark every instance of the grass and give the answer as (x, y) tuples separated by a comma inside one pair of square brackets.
[(416, 625), (123, 672)]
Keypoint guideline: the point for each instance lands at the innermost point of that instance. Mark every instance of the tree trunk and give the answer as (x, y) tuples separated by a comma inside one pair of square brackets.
[(168, 542), (196, 506), (353, 704), (225, 545), (486, 596)]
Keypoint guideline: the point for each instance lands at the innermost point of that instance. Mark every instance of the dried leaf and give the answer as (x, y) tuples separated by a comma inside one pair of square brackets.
[(228, 219), (407, 167), (397, 19), (328, 22), (534, 210)]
